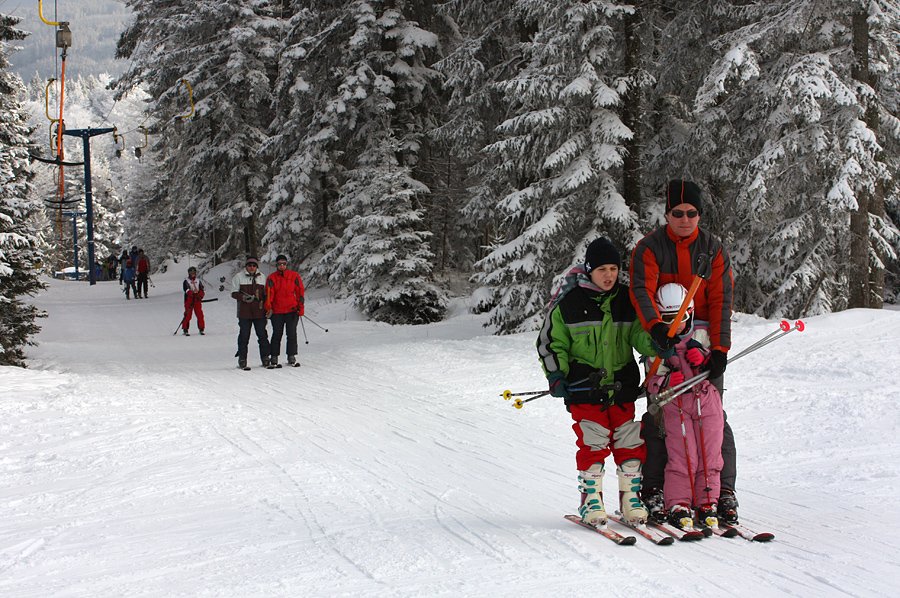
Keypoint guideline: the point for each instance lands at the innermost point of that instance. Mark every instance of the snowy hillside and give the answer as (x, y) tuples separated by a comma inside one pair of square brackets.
[(139, 463)]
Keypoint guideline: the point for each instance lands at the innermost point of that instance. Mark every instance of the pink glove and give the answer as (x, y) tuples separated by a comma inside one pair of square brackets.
[(695, 356), (675, 378)]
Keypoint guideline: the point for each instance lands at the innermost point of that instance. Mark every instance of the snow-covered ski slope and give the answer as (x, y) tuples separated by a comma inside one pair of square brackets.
[(138, 463)]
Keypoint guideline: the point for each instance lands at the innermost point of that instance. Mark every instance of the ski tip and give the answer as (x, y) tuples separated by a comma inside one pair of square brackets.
[(764, 537), (627, 541), (665, 541)]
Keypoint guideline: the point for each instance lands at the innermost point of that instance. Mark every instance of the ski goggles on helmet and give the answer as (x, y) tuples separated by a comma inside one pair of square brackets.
[(669, 317)]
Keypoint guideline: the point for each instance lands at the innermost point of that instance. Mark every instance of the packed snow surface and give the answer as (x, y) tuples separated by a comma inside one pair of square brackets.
[(136, 462)]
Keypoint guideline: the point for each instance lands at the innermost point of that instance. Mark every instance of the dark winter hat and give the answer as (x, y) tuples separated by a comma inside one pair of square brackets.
[(601, 252), (252, 260), (192, 269), (679, 192), (281, 258)]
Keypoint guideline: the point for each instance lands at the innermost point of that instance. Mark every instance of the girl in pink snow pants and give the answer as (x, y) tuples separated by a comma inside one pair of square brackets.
[(694, 424)]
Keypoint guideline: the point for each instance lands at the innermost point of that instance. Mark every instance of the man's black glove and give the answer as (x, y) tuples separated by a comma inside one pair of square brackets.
[(559, 387), (630, 378), (663, 344), (716, 364)]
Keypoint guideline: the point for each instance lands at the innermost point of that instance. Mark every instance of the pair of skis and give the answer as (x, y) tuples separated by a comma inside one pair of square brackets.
[(663, 534)]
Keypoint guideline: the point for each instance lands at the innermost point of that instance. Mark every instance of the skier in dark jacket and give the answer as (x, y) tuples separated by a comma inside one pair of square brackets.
[(586, 349), (128, 277), (248, 287)]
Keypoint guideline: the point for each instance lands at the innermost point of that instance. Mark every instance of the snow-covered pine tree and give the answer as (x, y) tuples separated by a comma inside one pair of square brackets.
[(381, 110), (782, 97), (304, 144), (559, 154), (479, 50), (215, 179), (19, 239)]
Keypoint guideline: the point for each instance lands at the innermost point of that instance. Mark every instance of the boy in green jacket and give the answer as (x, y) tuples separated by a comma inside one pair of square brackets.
[(586, 347)]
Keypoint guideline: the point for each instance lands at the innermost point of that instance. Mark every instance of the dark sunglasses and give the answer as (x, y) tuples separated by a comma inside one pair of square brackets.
[(683, 213), (281, 263)]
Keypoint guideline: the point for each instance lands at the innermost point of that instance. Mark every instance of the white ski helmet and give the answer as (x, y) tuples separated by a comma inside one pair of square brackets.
[(669, 298)]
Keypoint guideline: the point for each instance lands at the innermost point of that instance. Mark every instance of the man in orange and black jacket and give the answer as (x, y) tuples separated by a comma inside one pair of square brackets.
[(674, 253)]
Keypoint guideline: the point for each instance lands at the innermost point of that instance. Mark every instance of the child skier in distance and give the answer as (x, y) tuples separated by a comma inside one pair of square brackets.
[(693, 422), (128, 276), (193, 301), (586, 348)]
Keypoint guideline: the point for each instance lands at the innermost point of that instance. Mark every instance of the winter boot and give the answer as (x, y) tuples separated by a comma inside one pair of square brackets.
[(242, 364), (292, 361), (265, 362), (706, 515), (185, 332), (273, 363), (681, 517), (728, 505), (201, 332), (629, 474), (590, 483), (655, 502)]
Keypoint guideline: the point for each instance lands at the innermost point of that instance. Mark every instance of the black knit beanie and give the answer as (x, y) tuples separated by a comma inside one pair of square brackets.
[(679, 192), (601, 252)]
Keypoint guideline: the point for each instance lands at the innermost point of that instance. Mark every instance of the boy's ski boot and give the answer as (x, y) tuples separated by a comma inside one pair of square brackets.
[(590, 483), (633, 510), (655, 502), (681, 517), (727, 508)]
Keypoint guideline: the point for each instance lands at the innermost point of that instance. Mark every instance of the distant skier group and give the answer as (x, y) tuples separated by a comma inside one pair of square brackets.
[(677, 467), (134, 273)]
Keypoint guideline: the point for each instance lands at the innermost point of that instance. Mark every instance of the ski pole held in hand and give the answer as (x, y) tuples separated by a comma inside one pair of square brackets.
[(519, 403), (313, 322), (656, 402)]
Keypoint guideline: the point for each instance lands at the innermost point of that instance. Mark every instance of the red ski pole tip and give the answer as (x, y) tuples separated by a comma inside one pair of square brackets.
[(800, 325), (785, 325)]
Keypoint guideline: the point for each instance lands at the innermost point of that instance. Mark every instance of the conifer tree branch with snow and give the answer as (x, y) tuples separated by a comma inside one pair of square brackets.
[(19, 236)]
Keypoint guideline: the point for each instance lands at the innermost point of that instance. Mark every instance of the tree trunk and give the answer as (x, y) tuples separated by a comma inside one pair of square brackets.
[(631, 114), (859, 274)]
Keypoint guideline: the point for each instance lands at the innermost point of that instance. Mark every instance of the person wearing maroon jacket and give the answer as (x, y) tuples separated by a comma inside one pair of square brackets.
[(673, 253), (142, 267), (284, 307)]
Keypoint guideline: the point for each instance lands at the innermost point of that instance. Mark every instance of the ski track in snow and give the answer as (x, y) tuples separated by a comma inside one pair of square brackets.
[(140, 463)]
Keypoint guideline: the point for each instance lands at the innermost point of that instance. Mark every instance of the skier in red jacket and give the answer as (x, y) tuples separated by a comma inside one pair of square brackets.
[(284, 306)]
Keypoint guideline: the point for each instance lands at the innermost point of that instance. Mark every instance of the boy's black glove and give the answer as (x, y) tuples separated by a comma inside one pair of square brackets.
[(716, 364), (663, 344), (630, 378), (559, 387)]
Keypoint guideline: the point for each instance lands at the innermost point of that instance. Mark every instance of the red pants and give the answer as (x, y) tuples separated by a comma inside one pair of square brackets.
[(190, 307), (599, 433)]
